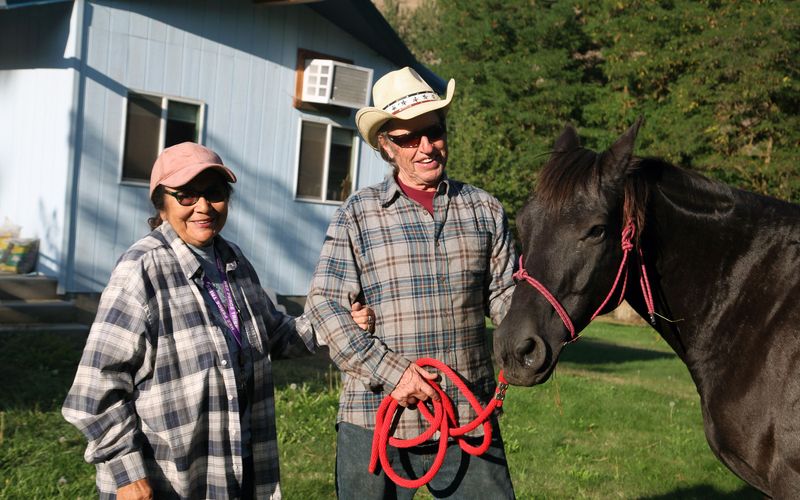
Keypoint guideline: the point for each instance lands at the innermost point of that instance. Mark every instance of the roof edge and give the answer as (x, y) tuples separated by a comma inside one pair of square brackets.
[(364, 21)]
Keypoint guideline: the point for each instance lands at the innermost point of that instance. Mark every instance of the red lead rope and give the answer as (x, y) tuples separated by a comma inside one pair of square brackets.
[(443, 419)]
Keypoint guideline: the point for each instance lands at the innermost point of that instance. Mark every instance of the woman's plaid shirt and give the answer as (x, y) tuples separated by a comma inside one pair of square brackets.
[(155, 393), (431, 281)]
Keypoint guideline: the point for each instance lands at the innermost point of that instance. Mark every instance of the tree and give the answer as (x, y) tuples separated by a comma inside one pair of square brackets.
[(718, 83)]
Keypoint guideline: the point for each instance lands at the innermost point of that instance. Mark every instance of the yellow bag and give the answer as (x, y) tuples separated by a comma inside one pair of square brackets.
[(18, 255)]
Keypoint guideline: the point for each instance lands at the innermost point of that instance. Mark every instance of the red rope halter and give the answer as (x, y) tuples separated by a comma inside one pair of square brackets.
[(627, 237), (443, 419)]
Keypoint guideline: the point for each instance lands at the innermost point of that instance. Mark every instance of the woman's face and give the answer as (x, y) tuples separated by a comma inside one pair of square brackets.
[(199, 223)]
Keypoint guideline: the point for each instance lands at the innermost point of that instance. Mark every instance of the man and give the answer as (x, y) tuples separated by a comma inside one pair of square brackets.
[(433, 257)]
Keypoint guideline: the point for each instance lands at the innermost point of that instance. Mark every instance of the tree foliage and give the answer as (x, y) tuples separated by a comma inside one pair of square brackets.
[(718, 83)]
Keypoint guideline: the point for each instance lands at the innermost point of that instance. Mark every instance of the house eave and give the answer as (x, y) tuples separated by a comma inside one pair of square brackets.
[(364, 21)]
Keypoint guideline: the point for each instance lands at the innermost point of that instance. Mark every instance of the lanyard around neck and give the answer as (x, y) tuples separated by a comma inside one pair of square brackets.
[(229, 315)]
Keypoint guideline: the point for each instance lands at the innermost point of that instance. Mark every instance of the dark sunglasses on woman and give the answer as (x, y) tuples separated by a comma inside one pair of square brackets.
[(188, 197), (412, 139)]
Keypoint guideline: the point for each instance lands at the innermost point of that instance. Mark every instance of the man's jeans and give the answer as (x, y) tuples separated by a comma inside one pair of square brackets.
[(462, 475)]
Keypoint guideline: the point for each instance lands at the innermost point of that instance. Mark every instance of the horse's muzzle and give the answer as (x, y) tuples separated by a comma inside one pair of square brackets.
[(528, 361)]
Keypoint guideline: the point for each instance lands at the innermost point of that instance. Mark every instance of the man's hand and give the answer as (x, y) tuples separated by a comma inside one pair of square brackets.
[(137, 490), (413, 386), (364, 317)]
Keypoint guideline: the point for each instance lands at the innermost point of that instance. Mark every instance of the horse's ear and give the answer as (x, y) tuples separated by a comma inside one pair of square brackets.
[(619, 155), (568, 140)]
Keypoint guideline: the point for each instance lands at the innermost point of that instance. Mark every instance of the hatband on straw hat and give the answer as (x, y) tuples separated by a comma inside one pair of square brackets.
[(401, 95)]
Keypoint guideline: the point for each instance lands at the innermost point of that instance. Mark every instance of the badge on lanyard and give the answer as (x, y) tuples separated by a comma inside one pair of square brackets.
[(229, 314)]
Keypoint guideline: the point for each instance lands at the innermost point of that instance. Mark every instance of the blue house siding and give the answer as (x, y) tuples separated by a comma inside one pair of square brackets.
[(36, 93), (65, 71), (239, 59)]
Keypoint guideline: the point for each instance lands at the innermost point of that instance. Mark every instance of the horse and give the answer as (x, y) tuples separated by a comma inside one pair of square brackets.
[(718, 273)]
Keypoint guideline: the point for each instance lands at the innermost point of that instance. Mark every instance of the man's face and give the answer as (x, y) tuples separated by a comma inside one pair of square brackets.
[(419, 166)]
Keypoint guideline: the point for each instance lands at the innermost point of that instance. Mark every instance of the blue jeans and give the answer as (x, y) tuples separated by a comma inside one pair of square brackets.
[(462, 475)]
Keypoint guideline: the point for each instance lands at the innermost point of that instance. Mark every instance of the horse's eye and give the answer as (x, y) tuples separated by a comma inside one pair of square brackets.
[(597, 231)]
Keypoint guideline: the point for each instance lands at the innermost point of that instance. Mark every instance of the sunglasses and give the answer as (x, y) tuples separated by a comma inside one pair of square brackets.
[(187, 197), (412, 139)]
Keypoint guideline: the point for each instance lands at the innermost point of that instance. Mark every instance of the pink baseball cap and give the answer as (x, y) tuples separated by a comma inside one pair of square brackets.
[(179, 164)]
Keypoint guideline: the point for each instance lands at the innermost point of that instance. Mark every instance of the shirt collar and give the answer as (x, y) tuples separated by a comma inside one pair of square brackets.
[(189, 262), (390, 190)]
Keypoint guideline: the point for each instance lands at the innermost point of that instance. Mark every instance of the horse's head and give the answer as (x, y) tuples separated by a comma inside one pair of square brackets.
[(570, 231)]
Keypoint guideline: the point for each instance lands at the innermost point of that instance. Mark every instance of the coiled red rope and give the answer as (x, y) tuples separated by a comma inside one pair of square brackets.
[(443, 419)]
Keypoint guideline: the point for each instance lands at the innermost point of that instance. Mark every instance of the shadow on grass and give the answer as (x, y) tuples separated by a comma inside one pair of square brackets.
[(594, 352), (317, 371), (704, 492), (37, 368)]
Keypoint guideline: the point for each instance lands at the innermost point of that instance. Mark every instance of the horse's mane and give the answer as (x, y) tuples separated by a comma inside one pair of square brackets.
[(570, 173), (565, 174)]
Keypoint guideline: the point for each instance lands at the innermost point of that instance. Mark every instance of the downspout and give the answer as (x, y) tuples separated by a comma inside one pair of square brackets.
[(66, 272)]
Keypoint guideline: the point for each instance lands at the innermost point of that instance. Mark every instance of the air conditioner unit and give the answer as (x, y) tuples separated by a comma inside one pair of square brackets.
[(326, 81)]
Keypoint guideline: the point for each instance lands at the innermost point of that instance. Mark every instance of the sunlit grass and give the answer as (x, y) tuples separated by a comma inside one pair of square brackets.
[(619, 419)]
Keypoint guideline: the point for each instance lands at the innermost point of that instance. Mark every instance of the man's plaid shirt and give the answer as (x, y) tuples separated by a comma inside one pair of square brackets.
[(431, 281), (155, 392)]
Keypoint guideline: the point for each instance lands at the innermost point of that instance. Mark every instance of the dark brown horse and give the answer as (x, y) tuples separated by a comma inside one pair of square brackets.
[(724, 269)]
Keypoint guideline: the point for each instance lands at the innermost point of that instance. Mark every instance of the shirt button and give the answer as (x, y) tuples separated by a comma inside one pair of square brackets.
[(230, 398), (224, 362)]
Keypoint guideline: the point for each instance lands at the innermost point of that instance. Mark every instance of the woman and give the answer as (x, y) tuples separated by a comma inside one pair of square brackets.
[(174, 391)]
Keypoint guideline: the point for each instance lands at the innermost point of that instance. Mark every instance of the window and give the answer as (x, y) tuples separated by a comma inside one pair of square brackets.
[(153, 123), (326, 162)]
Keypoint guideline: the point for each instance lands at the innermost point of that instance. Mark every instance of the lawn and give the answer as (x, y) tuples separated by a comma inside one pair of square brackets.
[(619, 419)]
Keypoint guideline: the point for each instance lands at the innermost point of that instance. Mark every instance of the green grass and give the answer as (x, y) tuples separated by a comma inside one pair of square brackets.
[(619, 419)]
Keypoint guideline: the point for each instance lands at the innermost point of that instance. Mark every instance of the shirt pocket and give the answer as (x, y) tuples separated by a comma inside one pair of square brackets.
[(477, 248), (175, 414), (185, 370), (469, 267)]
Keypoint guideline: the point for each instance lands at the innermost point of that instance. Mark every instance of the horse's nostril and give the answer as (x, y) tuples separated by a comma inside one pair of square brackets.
[(529, 353), (532, 353), (525, 348)]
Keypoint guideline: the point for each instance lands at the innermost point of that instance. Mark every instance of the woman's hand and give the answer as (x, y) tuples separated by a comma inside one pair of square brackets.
[(137, 490), (364, 317)]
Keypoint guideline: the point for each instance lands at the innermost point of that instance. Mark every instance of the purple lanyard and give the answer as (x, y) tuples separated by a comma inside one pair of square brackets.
[(230, 316)]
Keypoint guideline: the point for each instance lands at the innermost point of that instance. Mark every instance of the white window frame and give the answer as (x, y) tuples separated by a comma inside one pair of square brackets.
[(354, 160), (162, 131)]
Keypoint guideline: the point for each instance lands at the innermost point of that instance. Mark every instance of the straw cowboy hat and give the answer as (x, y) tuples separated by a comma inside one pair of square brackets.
[(401, 95)]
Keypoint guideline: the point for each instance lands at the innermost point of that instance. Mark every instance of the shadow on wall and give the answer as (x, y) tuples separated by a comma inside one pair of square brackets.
[(269, 234), (49, 255), (271, 227), (105, 217), (42, 30)]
